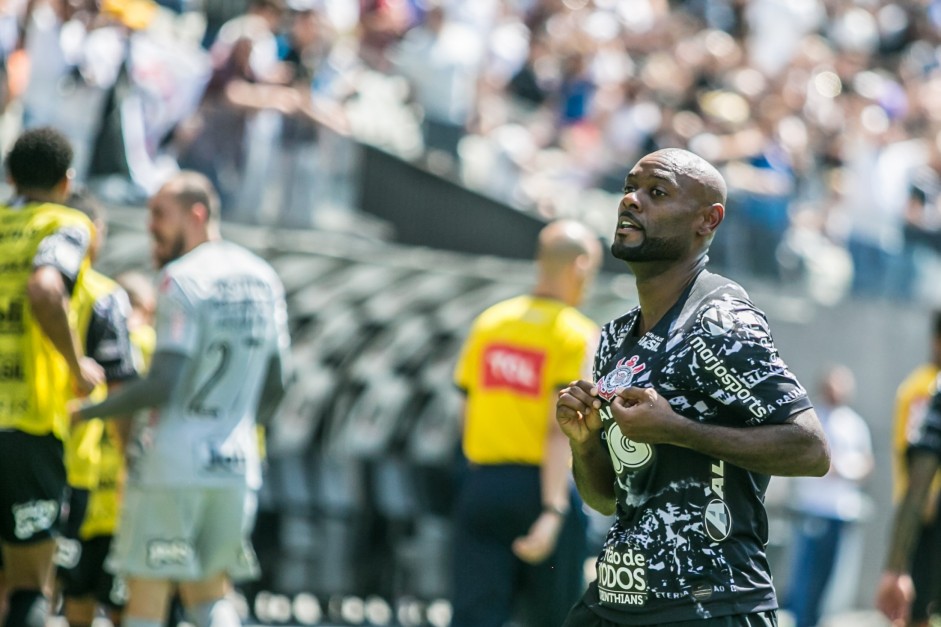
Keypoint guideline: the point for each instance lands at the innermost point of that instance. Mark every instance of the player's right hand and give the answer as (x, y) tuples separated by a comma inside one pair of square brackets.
[(894, 597), (577, 411), (90, 374)]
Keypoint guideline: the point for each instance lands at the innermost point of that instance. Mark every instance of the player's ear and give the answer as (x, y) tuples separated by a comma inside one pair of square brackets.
[(201, 212), (712, 217)]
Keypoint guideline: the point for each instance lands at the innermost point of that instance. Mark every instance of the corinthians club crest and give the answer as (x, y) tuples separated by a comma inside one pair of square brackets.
[(625, 453), (619, 378)]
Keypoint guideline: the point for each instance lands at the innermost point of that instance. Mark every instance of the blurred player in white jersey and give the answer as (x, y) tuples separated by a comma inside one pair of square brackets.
[(219, 367)]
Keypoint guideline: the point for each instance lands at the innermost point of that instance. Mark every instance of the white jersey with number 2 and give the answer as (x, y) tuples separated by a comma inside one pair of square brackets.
[(223, 307)]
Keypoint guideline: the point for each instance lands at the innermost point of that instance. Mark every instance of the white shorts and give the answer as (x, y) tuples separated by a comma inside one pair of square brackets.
[(186, 534)]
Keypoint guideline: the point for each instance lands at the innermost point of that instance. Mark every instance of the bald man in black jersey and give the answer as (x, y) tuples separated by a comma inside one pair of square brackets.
[(689, 410)]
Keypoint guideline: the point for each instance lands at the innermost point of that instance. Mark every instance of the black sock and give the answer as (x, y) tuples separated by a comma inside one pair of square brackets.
[(27, 609)]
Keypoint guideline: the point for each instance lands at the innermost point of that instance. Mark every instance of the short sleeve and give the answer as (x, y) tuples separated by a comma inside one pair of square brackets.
[(733, 360), (177, 324), (64, 250), (928, 436), (108, 341)]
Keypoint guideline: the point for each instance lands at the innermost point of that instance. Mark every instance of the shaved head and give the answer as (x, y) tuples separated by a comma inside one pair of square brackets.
[(709, 185), (189, 188), (568, 257), (564, 241)]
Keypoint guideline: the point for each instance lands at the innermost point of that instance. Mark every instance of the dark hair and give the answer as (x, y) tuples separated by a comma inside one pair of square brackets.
[(936, 323), (82, 199), (39, 159)]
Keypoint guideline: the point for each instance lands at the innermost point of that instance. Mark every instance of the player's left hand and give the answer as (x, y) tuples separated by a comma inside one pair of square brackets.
[(539, 542), (644, 416)]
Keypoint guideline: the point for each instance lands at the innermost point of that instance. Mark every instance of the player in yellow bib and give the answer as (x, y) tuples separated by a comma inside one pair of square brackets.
[(94, 454), (43, 251)]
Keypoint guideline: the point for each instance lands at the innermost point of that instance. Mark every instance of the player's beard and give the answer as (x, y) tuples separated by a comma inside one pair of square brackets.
[(651, 249), (176, 251)]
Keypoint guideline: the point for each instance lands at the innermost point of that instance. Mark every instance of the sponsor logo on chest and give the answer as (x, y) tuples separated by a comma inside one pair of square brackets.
[(513, 368), (622, 576)]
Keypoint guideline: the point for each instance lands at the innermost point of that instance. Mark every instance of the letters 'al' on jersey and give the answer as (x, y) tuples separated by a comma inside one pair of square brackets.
[(35, 382), (224, 308)]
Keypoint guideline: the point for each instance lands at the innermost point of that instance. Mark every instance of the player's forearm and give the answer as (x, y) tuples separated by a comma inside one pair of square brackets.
[(594, 475), (907, 523), (554, 473), (272, 393), (165, 374), (50, 307), (795, 448)]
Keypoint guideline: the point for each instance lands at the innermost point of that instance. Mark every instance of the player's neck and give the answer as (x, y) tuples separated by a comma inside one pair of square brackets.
[(658, 292), (199, 240), (40, 196), (555, 291)]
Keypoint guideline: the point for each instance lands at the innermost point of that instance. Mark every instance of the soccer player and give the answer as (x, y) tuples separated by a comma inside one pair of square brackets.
[(219, 363), (689, 411), (896, 591), (140, 324), (94, 453), (43, 251), (519, 533), (912, 399)]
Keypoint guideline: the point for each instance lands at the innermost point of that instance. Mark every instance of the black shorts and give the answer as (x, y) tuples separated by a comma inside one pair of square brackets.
[(582, 616), (926, 570), (87, 577), (33, 486)]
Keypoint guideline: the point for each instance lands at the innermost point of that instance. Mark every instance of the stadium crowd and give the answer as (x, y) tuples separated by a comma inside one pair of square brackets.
[(821, 113)]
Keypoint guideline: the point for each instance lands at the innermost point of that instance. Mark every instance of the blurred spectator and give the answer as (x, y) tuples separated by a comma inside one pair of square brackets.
[(440, 58), (539, 103), (827, 508), (245, 61), (217, 13), (381, 23), (305, 167), (922, 227)]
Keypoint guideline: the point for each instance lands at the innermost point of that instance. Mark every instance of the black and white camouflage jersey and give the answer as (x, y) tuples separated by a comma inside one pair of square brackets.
[(928, 435), (688, 541)]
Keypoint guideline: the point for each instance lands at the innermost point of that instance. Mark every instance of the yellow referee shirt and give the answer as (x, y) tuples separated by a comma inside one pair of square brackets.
[(518, 354)]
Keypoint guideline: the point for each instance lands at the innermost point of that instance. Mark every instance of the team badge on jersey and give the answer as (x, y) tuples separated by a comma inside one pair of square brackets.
[(621, 377), (717, 321), (626, 454), (717, 520)]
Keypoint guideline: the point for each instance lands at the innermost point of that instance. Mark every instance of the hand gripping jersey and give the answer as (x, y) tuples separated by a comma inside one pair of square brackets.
[(35, 382), (688, 540), (224, 308)]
